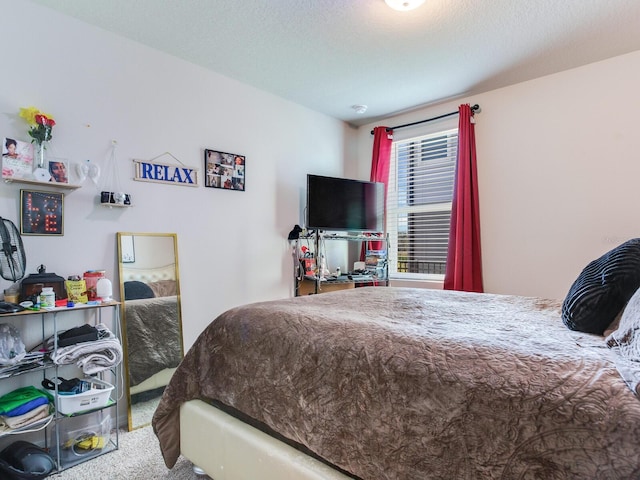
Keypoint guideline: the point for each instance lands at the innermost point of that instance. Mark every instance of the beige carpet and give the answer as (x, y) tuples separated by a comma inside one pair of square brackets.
[(138, 458)]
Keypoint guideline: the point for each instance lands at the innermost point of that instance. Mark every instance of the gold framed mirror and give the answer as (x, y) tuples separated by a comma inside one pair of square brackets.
[(151, 318)]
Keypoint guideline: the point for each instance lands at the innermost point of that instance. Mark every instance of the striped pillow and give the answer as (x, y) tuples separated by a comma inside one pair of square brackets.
[(602, 289)]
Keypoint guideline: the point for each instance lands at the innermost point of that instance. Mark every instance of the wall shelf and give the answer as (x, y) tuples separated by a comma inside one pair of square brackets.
[(64, 186), (116, 205)]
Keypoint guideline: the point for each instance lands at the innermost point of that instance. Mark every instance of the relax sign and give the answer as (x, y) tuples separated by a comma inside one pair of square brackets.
[(147, 171)]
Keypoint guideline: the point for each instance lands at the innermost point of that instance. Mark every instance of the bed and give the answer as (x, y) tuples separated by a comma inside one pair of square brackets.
[(152, 327), (399, 383)]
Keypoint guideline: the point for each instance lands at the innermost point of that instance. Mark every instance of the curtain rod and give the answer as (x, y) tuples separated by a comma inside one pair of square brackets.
[(474, 108)]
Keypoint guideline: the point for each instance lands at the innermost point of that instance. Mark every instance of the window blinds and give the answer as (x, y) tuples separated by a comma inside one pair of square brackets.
[(420, 190)]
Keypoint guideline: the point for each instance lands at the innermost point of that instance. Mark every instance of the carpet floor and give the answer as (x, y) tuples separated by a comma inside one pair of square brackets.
[(138, 458)]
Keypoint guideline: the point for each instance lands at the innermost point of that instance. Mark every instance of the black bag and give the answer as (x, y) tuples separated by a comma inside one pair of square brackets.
[(25, 461)]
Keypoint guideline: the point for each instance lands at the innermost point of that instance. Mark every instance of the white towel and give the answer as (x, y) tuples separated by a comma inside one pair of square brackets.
[(92, 357)]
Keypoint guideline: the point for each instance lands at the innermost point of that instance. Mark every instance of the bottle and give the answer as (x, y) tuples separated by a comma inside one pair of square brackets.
[(324, 271), (91, 278), (47, 298)]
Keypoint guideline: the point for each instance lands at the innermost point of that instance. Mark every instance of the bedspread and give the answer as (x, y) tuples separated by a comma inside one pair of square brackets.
[(400, 383), (153, 336)]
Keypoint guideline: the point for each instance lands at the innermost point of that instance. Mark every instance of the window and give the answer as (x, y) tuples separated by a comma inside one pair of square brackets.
[(420, 191)]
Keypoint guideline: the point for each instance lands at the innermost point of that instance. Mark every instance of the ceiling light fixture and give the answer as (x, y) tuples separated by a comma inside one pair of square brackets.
[(404, 5), (360, 109)]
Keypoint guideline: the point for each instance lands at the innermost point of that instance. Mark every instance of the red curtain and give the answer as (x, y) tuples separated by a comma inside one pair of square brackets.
[(380, 161), (464, 262), (381, 157)]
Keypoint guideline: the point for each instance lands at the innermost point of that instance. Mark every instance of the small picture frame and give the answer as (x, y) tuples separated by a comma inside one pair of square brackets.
[(127, 247), (59, 170), (41, 213), (17, 159), (224, 170)]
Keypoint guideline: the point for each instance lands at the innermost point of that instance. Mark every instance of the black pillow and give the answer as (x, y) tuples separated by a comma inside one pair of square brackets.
[(602, 289), (135, 290)]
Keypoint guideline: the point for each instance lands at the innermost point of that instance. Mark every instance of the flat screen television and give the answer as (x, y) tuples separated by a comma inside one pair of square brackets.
[(344, 204)]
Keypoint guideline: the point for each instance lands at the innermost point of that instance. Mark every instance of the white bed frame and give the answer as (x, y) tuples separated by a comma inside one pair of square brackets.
[(226, 448), (157, 380)]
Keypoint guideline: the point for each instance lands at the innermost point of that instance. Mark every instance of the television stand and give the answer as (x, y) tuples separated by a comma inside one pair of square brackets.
[(308, 280)]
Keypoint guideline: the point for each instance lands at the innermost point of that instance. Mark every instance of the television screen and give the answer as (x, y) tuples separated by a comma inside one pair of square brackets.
[(343, 204)]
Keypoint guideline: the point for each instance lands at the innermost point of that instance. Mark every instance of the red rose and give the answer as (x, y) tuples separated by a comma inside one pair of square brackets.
[(44, 120)]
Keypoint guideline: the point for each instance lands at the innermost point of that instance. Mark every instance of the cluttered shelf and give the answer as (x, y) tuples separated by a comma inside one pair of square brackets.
[(74, 306), (63, 411)]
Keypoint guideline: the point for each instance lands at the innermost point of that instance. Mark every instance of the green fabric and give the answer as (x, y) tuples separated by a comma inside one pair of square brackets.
[(19, 397)]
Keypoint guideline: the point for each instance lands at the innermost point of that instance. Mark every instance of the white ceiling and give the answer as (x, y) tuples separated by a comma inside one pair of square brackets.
[(331, 54)]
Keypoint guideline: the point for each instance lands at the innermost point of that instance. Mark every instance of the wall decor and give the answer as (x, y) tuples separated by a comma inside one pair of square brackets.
[(112, 193), (150, 171), (224, 170), (41, 213), (128, 249), (59, 170), (17, 159)]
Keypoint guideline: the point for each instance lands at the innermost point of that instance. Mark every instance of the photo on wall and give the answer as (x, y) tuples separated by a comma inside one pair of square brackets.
[(224, 170)]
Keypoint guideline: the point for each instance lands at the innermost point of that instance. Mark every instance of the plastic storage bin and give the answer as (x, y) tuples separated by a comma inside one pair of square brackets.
[(96, 397)]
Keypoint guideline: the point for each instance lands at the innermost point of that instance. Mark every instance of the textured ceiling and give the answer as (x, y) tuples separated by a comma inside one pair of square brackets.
[(331, 54)]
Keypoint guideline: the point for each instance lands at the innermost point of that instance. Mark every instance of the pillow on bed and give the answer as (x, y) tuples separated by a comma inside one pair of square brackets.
[(163, 288), (135, 290), (602, 289)]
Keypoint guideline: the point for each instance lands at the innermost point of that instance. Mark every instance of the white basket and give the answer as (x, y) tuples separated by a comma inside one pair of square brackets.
[(96, 397)]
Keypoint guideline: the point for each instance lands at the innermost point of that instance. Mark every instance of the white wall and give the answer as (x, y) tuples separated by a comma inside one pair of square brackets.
[(100, 87), (558, 167)]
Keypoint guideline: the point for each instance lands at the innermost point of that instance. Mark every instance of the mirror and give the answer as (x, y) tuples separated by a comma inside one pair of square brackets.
[(151, 318)]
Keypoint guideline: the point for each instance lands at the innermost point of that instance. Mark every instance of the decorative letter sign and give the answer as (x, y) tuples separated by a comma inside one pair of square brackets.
[(147, 171)]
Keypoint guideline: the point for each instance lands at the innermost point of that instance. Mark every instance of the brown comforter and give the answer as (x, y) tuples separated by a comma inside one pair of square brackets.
[(153, 336), (390, 383)]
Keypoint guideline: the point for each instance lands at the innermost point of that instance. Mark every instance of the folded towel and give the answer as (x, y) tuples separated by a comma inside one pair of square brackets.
[(92, 357), (27, 407), (19, 397), (11, 423)]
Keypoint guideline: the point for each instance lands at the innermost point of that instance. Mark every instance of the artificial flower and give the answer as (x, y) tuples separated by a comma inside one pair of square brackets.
[(41, 124)]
